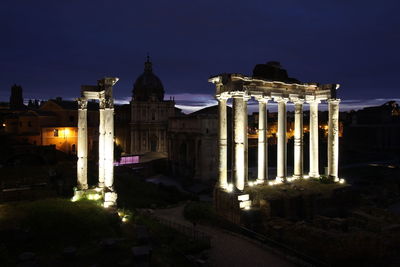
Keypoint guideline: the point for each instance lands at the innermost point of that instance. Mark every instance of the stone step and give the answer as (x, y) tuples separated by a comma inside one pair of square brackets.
[(244, 197), (245, 204)]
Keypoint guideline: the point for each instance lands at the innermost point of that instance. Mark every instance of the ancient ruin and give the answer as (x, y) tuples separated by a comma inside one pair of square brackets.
[(241, 88), (105, 190)]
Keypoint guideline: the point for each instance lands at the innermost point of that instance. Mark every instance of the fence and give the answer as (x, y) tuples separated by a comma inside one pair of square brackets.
[(189, 231)]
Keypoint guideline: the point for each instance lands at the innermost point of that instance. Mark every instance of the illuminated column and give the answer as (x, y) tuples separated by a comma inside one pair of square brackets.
[(262, 175), (246, 143), (333, 139), (298, 139), (82, 144), (281, 140), (222, 143), (314, 172), (239, 126), (101, 143), (109, 145)]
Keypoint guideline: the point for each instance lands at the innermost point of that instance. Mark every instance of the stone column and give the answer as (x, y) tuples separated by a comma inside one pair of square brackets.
[(314, 169), (222, 143), (298, 139), (246, 144), (109, 144), (281, 140), (262, 175), (82, 144), (333, 139), (239, 126), (101, 143)]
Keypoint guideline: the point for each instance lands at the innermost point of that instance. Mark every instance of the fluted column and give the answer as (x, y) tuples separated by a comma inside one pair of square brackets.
[(298, 139), (222, 143), (239, 126), (101, 143), (281, 140), (82, 144), (314, 168), (262, 174), (333, 139), (109, 144), (246, 143)]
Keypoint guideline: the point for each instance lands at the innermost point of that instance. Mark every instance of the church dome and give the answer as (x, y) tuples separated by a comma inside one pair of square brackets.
[(148, 86)]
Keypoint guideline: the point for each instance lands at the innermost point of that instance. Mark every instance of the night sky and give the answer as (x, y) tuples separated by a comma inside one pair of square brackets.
[(52, 47)]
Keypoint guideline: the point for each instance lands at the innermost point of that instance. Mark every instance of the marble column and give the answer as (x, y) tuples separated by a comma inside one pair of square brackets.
[(262, 174), (246, 144), (101, 143), (281, 140), (82, 144), (239, 142), (298, 139), (314, 168), (333, 139), (109, 145), (222, 143)]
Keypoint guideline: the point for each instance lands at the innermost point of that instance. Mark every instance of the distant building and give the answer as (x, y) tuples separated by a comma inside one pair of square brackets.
[(374, 129), (192, 144), (53, 123), (149, 114), (16, 99)]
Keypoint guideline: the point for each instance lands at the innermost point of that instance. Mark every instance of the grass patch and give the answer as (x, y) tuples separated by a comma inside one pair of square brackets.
[(47, 226)]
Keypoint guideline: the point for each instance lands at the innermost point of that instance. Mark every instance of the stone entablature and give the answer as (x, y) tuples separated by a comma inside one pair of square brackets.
[(231, 84), (242, 88)]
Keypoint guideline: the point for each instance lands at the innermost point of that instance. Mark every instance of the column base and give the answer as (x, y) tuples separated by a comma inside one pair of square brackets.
[(223, 186), (110, 199), (78, 194), (334, 178), (297, 176), (278, 180), (314, 175), (260, 181)]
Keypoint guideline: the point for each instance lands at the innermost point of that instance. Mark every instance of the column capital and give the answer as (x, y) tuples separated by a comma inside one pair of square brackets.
[(334, 100), (240, 94), (82, 103), (313, 101), (106, 103), (222, 97), (281, 99), (262, 99), (297, 100)]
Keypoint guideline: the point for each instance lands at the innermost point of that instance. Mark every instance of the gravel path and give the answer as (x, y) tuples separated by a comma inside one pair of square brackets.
[(228, 249)]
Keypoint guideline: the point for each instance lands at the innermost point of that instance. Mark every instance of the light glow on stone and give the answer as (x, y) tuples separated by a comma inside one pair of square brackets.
[(229, 188), (93, 196)]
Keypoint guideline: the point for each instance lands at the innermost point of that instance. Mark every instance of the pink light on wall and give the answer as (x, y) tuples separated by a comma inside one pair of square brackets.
[(126, 160)]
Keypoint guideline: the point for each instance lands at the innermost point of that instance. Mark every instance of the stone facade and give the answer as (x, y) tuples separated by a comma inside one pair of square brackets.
[(192, 145), (149, 114)]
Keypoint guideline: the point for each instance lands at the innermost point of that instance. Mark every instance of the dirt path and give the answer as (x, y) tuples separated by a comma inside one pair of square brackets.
[(228, 249)]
